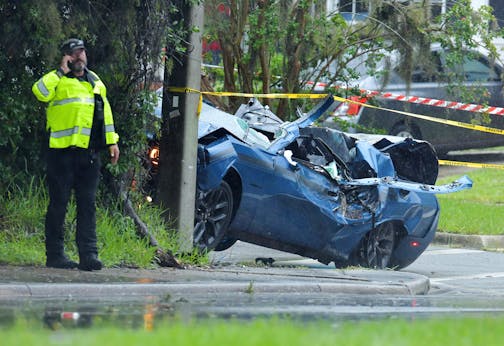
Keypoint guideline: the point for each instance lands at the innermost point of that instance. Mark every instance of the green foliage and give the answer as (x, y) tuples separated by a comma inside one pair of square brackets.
[(25, 28), (345, 126), (22, 212), (479, 330), (124, 45), (473, 211), (462, 30)]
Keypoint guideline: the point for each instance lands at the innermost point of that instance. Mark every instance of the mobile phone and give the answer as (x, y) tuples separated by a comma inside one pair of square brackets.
[(70, 64)]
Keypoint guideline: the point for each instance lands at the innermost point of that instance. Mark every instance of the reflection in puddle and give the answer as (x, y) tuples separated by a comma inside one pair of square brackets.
[(148, 317), (131, 318), (54, 319), (148, 312)]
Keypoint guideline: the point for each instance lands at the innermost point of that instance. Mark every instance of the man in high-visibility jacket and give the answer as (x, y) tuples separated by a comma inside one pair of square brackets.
[(80, 124)]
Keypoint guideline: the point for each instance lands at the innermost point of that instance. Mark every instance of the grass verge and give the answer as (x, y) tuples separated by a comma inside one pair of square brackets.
[(474, 211), (22, 214), (482, 330)]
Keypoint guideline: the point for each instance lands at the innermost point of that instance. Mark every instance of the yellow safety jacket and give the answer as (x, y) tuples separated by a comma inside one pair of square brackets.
[(71, 109)]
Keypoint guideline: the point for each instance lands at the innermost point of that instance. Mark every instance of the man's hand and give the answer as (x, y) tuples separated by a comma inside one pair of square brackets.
[(64, 63), (114, 153)]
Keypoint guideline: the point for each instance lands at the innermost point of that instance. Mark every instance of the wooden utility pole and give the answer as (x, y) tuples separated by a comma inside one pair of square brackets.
[(179, 133)]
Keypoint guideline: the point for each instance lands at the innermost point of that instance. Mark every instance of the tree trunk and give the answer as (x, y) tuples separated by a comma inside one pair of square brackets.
[(294, 44), (264, 55)]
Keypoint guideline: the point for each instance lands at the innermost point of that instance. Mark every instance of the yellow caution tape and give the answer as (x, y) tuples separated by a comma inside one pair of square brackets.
[(200, 105), (236, 94), (470, 164)]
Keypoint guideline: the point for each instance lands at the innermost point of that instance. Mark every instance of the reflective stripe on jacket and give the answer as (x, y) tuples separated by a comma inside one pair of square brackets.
[(71, 108)]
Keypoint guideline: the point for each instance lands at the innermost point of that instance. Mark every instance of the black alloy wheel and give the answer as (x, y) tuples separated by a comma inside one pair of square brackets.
[(213, 214), (377, 247)]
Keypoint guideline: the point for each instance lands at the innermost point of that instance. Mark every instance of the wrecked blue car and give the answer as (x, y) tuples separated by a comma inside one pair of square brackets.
[(351, 199)]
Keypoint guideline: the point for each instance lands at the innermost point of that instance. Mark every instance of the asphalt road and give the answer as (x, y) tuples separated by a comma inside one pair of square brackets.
[(462, 281), (462, 271), (450, 270)]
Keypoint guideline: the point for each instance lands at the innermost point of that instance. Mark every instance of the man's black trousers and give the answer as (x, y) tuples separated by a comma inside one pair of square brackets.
[(79, 170)]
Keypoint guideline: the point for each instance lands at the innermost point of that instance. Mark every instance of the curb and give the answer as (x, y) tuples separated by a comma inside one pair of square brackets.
[(51, 283), (479, 242), (417, 286)]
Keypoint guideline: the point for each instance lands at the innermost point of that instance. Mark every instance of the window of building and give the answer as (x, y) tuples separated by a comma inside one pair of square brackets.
[(354, 9), (354, 6), (498, 11), (359, 9)]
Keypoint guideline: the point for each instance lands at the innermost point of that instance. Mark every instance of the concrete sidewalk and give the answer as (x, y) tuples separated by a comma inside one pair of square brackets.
[(233, 270), (45, 282)]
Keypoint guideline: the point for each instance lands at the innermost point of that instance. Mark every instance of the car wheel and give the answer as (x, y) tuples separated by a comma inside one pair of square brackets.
[(225, 243), (377, 247), (339, 263), (407, 131), (213, 214)]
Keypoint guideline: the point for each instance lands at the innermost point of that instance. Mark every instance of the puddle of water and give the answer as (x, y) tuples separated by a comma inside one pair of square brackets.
[(147, 312)]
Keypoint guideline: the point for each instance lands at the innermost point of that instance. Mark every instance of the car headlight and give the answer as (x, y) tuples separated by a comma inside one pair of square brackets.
[(357, 203), (154, 155)]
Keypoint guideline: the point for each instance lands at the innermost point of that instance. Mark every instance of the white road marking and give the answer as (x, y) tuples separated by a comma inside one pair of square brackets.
[(471, 277), (450, 251)]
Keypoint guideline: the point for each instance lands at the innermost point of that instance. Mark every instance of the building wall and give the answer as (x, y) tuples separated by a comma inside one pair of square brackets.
[(498, 6)]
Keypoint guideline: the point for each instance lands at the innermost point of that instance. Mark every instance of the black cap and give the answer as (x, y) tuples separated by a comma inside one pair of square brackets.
[(70, 45)]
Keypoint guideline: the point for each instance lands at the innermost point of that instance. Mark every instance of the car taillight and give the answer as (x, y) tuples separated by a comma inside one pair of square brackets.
[(414, 243), (154, 155)]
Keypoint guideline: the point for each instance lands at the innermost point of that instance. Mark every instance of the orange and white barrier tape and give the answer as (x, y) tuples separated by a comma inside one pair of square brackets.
[(469, 107)]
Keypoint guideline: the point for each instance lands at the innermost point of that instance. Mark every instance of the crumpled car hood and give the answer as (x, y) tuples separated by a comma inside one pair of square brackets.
[(290, 130), (213, 119)]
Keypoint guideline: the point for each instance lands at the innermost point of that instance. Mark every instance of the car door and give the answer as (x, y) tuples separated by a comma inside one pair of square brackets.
[(297, 208)]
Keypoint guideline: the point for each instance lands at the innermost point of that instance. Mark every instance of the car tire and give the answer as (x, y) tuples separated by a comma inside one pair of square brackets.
[(407, 131), (340, 263), (225, 243), (378, 246), (213, 213)]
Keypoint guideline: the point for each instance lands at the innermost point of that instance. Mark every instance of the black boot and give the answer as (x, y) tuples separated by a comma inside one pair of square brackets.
[(60, 261), (90, 262)]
